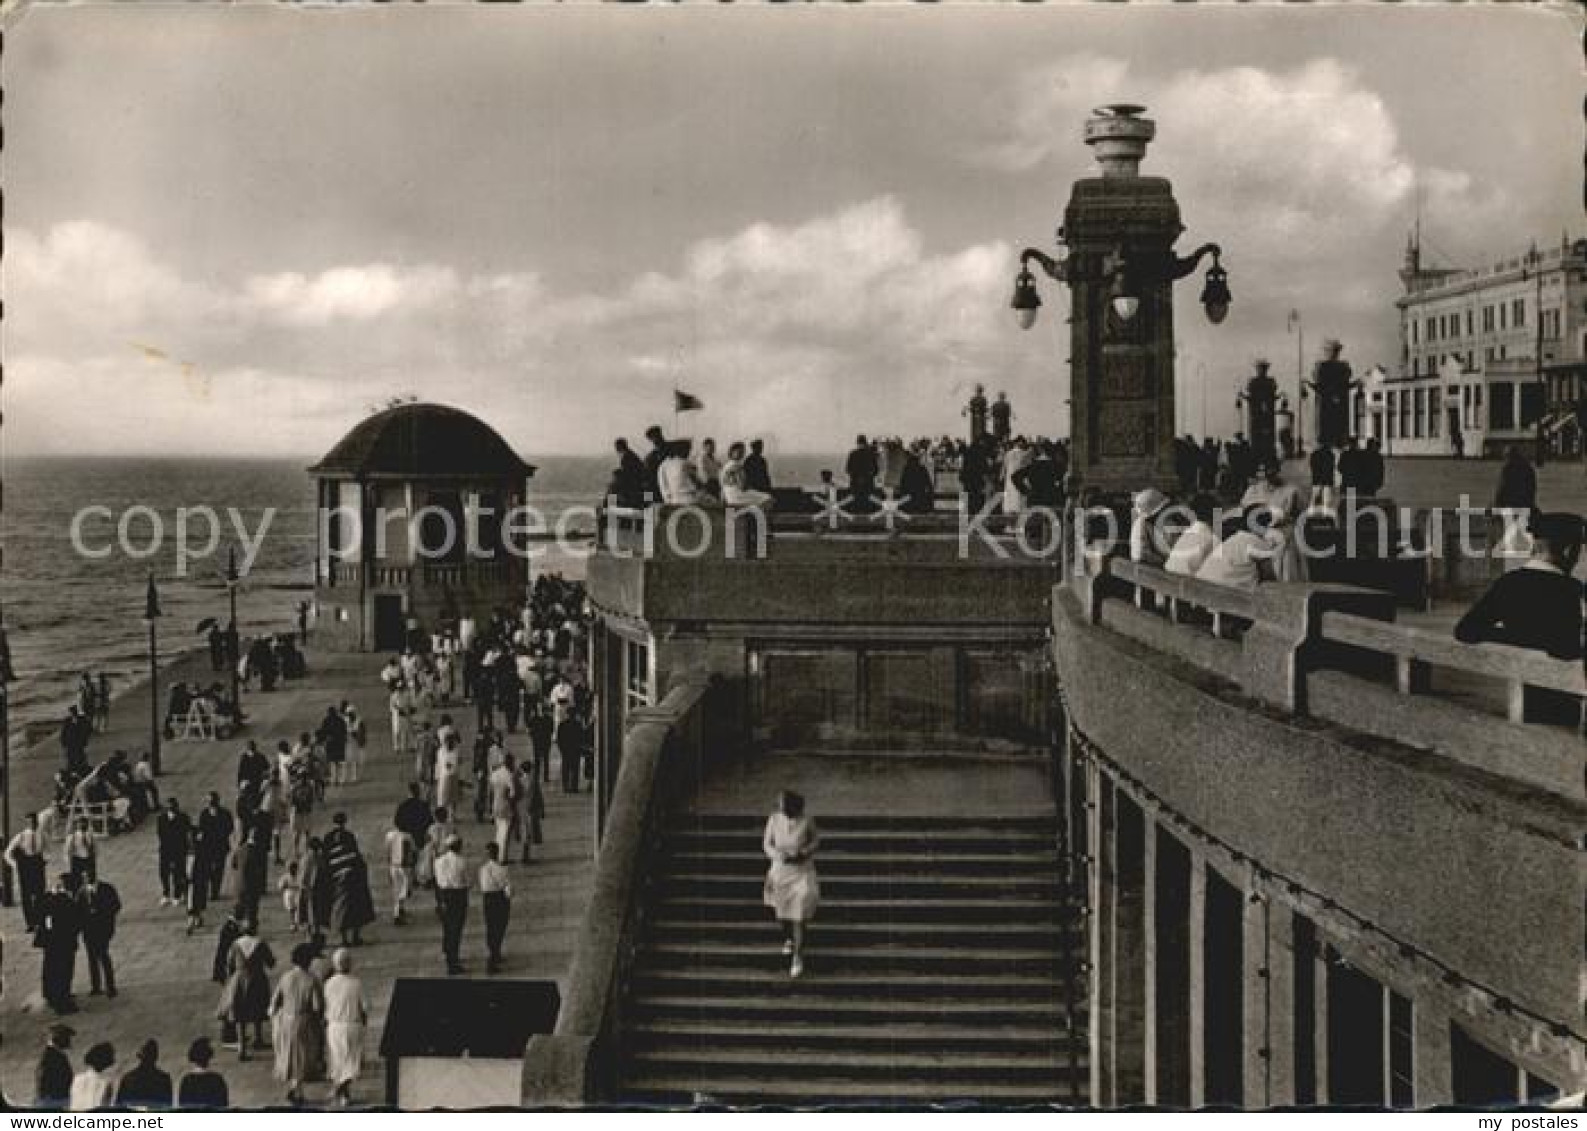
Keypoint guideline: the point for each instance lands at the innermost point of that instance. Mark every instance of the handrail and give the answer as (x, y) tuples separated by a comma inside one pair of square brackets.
[(1412, 646), (572, 1065), (1220, 600)]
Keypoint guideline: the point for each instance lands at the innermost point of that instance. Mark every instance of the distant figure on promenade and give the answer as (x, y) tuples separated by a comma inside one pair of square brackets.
[(1517, 489), (708, 468), (297, 1012), (974, 471), (757, 472), (303, 624), (1322, 467), (76, 731), (675, 479), (629, 478), (146, 1087), (332, 736), (791, 890), (99, 906), (245, 999), (357, 740), (861, 469), (1374, 472), (1245, 558), (201, 1088), (1348, 468), (1192, 548), (95, 1086), (102, 703), (1040, 481), (1002, 419), (1283, 506), (1015, 460), (736, 491), (495, 896), (1148, 539), (451, 895), (976, 411), (212, 844), (52, 1077), (402, 855), (659, 450), (1539, 605), (346, 1017), (80, 852), (25, 855), (352, 905), (915, 486)]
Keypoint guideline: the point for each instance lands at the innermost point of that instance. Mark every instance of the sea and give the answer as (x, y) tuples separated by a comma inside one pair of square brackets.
[(68, 612)]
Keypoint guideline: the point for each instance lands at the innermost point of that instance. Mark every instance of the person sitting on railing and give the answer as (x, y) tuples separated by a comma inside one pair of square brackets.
[(861, 469), (1246, 557), (1148, 539), (659, 450), (736, 491), (675, 477), (1539, 605), (915, 487), (1283, 503), (1192, 548)]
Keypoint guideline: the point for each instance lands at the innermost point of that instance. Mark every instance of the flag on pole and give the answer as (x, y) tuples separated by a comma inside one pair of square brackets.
[(685, 402)]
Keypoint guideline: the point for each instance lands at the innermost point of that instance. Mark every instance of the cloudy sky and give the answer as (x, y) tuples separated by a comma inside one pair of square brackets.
[(808, 217)]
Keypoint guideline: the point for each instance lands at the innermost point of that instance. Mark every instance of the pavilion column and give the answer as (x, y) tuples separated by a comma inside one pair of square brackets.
[(1269, 1005), (1198, 981), (1433, 1080), (1319, 963)]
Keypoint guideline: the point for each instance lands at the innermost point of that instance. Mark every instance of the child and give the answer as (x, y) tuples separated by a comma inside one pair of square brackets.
[(292, 895)]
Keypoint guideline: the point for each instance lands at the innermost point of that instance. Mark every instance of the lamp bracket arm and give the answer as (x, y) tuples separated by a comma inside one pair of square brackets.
[(1187, 264), (1054, 269)]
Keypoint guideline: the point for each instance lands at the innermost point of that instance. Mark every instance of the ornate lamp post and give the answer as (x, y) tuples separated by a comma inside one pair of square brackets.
[(1119, 231), (151, 617), (1260, 399), (233, 640)]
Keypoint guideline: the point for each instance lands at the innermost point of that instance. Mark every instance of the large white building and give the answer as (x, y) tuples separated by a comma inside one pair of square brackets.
[(1488, 357)]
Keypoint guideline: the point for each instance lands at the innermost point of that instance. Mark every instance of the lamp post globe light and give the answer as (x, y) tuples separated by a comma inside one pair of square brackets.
[(1119, 230), (151, 617)]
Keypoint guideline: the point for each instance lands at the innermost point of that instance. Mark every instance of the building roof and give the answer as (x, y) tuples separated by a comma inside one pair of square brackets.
[(422, 441)]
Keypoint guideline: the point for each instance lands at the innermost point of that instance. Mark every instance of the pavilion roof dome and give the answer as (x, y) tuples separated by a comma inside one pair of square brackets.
[(422, 441)]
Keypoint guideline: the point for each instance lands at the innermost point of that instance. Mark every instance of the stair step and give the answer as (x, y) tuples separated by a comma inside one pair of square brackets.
[(886, 841), (722, 1060), (921, 864), (773, 984), (746, 907), (809, 1091), (701, 956), (960, 1033), (875, 822), (814, 1006), (870, 886), (988, 936)]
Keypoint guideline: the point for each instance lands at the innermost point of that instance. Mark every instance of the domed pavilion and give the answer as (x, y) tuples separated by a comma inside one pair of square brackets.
[(413, 510)]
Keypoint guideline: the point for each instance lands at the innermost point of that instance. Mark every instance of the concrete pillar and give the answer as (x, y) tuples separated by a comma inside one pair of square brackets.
[(1149, 1023), (1257, 1006), (1197, 927), (1280, 1005), (1320, 1012), (1434, 1082), (1129, 955), (1099, 825)]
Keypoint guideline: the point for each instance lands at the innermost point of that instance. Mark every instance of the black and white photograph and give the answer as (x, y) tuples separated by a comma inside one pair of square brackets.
[(964, 557)]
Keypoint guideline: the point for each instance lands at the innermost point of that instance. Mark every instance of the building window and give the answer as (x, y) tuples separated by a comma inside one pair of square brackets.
[(1419, 412), (1405, 413), (1487, 320), (1468, 322), (1432, 330), (636, 673), (1531, 403), (1412, 323), (1435, 406), (1389, 401), (1518, 313), (1504, 321), (1501, 411)]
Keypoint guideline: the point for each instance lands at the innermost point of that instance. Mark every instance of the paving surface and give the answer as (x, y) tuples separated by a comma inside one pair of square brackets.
[(164, 975)]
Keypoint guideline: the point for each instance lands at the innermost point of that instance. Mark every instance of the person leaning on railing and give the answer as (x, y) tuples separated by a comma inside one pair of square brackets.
[(1538, 606)]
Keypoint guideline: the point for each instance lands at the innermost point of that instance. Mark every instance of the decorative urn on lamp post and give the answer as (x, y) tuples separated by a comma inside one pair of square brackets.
[(1119, 230), (1260, 401)]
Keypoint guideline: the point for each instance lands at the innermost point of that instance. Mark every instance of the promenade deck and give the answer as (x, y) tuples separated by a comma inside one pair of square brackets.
[(164, 975)]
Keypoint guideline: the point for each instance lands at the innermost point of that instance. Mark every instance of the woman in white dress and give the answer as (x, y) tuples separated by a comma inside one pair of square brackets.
[(792, 890), (734, 491), (1015, 459), (357, 735), (346, 1015), (1283, 505)]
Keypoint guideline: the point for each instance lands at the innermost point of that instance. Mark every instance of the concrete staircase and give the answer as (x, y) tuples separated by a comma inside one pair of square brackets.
[(942, 967)]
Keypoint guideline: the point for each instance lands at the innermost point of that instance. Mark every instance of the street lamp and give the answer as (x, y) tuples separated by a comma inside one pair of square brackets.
[(1125, 277), (151, 617), (233, 640)]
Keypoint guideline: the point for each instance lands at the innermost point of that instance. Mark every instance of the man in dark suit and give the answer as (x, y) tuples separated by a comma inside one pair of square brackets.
[(212, 843), (59, 925), (1539, 605), (757, 473), (98, 906), (173, 832), (659, 448), (861, 469), (52, 1079), (628, 478)]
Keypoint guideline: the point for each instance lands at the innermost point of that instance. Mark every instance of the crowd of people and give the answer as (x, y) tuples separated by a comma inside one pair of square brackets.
[(521, 670)]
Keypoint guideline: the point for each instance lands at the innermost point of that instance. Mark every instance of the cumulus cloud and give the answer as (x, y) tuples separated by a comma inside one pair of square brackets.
[(780, 328)]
